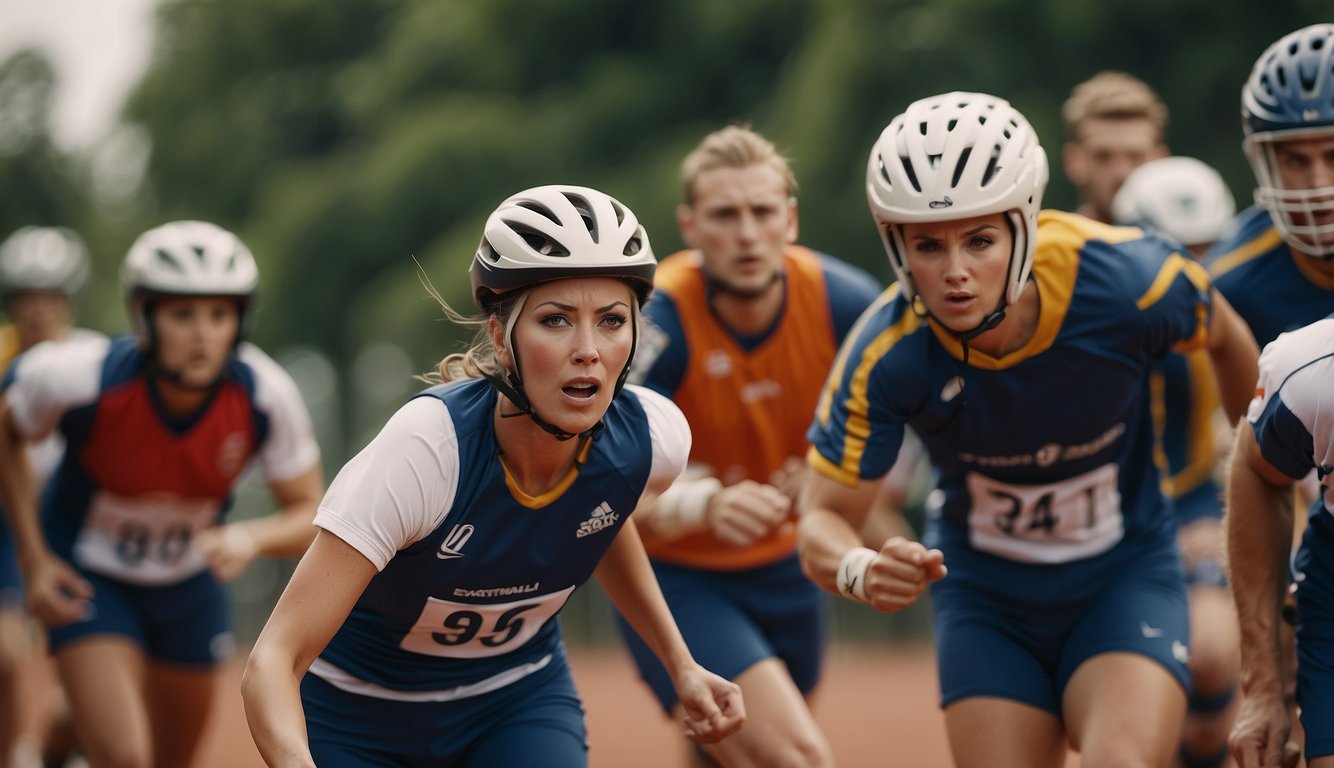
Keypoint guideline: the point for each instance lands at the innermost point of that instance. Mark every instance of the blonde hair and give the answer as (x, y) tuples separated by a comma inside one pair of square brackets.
[(1112, 95), (480, 356), (736, 146)]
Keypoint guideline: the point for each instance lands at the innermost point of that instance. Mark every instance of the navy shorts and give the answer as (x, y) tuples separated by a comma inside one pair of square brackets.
[(732, 620), (538, 720), (186, 623), (990, 644), (1315, 634), (11, 580)]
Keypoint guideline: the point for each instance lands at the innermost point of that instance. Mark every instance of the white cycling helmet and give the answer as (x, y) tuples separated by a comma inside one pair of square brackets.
[(43, 259), (1290, 95), (188, 258), (555, 232), (1181, 197), (955, 156), (552, 233)]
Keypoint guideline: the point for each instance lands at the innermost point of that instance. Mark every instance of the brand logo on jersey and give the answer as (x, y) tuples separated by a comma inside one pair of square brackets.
[(1050, 453), (232, 454), (755, 391), (937, 204), (1148, 631), (1310, 115), (1180, 652), (603, 517), (452, 546), (718, 364)]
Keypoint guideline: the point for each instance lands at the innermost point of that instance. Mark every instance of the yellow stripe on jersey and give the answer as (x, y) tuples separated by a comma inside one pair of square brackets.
[(831, 470), (1305, 265), (858, 427), (1175, 265), (543, 499), (9, 346), (1061, 237), (1201, 456), (1230, 261), (1158, 415), (836, 372)]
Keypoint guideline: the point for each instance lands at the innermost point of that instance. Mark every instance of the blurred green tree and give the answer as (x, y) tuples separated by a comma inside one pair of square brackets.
[(347, 143)]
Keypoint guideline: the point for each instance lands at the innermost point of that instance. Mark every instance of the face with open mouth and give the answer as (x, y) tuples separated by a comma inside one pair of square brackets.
[(195, 336), (573, 339), (959, 267)]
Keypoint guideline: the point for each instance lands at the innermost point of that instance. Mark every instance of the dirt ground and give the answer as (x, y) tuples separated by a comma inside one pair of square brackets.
[(877, 706)]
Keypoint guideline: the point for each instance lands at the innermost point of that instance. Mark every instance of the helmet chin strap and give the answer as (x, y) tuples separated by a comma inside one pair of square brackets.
[(511, 384)]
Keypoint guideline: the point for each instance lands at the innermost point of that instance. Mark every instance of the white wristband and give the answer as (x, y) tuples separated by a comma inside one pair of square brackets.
[(680, 509), (852, 573)]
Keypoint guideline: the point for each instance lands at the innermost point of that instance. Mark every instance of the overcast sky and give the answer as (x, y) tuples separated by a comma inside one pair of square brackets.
[(99, 49)]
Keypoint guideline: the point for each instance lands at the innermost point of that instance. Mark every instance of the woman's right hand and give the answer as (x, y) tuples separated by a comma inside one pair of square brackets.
[(56, 593), (712, 704)]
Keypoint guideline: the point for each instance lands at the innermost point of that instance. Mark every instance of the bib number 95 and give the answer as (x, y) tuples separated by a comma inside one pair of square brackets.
[(478, 630)]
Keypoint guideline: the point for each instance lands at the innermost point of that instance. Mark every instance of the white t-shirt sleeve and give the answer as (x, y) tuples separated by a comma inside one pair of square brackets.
[(670, 435), (399, 488), (290, 447), (53, 378)]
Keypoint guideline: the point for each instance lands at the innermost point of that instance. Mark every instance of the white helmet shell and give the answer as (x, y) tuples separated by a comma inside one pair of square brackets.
[(956, 156), (1180, 197), (190, 258), (43, 259), (560, 231)]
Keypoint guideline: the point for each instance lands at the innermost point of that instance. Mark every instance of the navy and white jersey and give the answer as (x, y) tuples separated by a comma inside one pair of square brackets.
[(1293, 410), (1045, 456), (472, 571), (135, 486), (1272, 287)]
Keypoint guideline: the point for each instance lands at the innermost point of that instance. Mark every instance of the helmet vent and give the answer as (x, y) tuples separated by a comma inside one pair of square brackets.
[(992, 164), (585, 211), (907, 169), (635, 244), (540, 242), (538, 209), (167, 260), (959, 166)]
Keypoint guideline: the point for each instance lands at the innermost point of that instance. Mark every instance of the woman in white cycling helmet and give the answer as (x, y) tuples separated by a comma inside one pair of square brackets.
[(127, 561), (1018, 347), (425, 611)]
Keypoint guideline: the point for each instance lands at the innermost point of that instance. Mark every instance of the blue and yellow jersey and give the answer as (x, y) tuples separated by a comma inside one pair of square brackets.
[(1045, 455), (1185, 397), (1272, 287), (748, 400), (9, 345)]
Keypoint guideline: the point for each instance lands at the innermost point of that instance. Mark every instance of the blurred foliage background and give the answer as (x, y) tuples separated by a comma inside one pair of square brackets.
[(350, 142)]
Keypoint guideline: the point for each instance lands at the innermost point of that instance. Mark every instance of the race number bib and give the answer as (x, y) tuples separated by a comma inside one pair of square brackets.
[(144, 541), (473, 631), (1076, 518)]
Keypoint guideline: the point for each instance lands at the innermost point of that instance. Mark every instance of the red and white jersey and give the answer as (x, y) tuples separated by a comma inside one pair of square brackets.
[(136, 486)]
